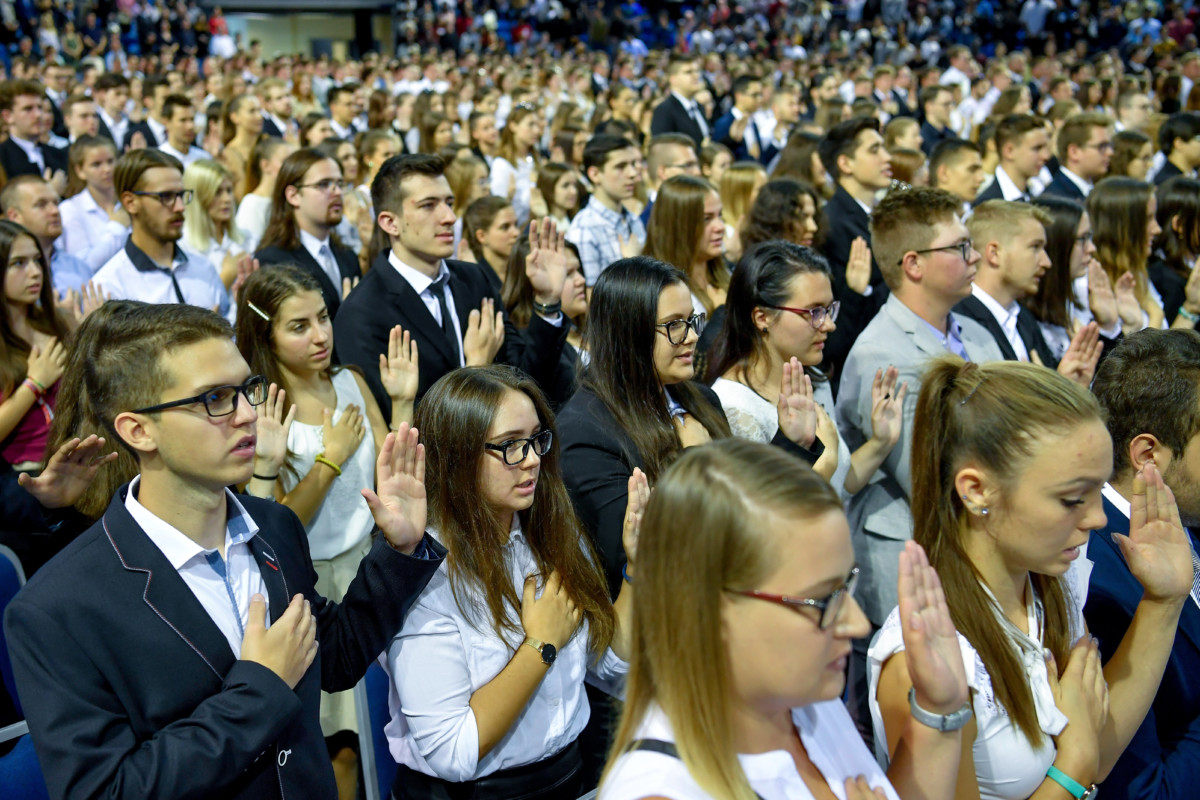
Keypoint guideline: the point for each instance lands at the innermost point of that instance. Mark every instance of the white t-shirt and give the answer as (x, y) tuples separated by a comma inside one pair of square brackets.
[(826, 731)]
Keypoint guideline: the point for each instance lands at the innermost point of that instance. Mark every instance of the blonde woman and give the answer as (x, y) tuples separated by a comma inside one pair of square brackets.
[(739, 187), (255, 207), (468, 178), (208, 227)]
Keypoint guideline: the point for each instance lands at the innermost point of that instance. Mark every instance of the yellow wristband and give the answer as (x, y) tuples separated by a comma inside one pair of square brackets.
[(321, 459)]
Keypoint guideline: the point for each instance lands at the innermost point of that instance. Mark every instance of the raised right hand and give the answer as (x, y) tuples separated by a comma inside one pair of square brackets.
[(484, 335), (1082, 694), (1128, 307), (289, 646), (631, 248), (552, 617), (858, 266), (46, 365), (341, 440)]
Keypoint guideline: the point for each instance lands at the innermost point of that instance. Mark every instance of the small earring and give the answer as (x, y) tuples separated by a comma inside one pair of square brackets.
[(984, 511)]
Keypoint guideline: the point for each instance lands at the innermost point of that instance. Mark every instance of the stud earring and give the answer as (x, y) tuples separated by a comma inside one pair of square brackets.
[(984, 511)]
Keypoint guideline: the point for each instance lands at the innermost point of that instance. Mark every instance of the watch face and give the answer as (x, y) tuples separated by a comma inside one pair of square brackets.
[(549, 653)]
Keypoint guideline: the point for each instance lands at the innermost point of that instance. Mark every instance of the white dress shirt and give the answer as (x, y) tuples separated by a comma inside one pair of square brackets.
[(193, 154), (440, 658), (348, 132), (1006, 317), (123, 279), (88, 232), (421, 284), (158, 129), (322, 252), (1008, 186), (118, 126), (1080, 183), (225, 597)]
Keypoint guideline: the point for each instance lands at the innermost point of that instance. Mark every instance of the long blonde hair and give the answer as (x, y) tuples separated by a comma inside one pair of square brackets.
[(204, 177), (737, 190), (713, 498)]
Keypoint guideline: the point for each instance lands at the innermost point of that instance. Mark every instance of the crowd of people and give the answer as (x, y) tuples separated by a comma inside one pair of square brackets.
[(738, 417)]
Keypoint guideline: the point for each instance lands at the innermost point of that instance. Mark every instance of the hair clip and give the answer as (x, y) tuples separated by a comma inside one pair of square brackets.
[(258, 311), (971, 393)]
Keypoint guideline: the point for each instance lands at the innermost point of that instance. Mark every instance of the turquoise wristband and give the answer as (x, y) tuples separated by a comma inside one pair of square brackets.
[(1077, 789), (625, 573)]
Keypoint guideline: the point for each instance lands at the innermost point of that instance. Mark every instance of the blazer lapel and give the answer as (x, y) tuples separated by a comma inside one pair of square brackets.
[(278, 594), (305, 259), (347, 262), (972, 308), (915, 327), (166, 593), (412, 308)]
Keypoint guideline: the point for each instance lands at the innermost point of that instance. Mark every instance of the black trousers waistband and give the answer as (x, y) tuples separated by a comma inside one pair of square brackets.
[(558, 777)]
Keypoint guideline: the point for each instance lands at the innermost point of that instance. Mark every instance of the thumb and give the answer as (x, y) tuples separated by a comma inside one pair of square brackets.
[(372, 499), (1126, 545), (257, 617), (528, 590)]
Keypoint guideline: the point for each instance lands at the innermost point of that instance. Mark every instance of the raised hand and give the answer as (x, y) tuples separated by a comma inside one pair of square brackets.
[(289, 646), (796, 408), (553, 617), (342, 439), (398, 367), (631, 248), (635, 506), (271, 432), (484, 336), (931, 650), (246, 265), (887, 407), (399, 505), (348, 285), (858, 266), (1157, 548), (45, 365), (1128, 307), (68, 307), (68, 472), (546, 264), (93, 298), (1079, 362), (1102, 300)]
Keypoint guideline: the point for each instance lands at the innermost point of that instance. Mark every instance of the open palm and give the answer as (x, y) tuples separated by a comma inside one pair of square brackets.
[(931, 649), (399, 505), (1157, 548)]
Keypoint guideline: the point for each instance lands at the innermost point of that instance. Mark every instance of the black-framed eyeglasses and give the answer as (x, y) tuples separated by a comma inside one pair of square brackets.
[(1102, 147), (327, 186), (816, 314), (219, 401), (169, 199), (677, 329), (514, 451), (964, 249), (829, 606)]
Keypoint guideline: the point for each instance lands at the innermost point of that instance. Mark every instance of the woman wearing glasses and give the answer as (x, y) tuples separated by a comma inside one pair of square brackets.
[(740, 641), (488, 670), (1009, 461), (779, 311), (319, 433)]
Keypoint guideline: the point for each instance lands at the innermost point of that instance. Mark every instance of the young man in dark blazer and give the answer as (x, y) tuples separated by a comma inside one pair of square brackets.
[(679, 112), (178, 647), (306, 207), (21, 153), (455, 317), (1150, 388)]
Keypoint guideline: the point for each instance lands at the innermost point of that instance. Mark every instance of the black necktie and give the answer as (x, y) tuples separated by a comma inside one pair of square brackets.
[(438, 288)]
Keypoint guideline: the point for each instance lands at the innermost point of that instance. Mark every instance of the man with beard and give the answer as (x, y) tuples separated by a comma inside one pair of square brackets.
[(152, 267), (1150, 388), (306, 206)]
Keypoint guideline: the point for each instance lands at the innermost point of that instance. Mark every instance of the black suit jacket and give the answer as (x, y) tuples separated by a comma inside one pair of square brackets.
[(347, 263), (671, 117), (992, 192), (142, 127), (1167, 172), (1027, 328), (270, 128), (103, 130), (1062, 186), (931, 136), (15, 162), (60, 124), (132, 691), (384, 299), (1170, 284), (845, 220), (597, 459)]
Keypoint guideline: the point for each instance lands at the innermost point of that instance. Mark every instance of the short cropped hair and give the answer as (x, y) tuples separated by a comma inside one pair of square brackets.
[(996, 220), (173, 102), (841, 140), (659, 147), (949, 151), (600, 147), (1013, 128), (111, 80), (1180, 125), (134, 164), (11, 193), (903, 221), (1077, 130), (11, 90), (387, 190)]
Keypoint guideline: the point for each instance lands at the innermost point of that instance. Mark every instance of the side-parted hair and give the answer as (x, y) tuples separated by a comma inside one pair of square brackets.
[(204, 177), (718, 498), (1150, 383), (1077, 130), (600, 147), (281, 227), (479, 217), (134, 164), (904, 220), (1013, 128), (1180, 125), (12, 89), (992, 415), (387, 190), (1117, 207), (949, 152), (454, 418), (174, 101), (547, 179), (1055, 296), (620, 336), (43, 315), (81, 148), (127, 371), (841, 140), (675, 227)]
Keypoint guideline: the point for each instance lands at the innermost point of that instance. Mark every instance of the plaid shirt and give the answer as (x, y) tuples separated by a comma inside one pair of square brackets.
[(594, 231)]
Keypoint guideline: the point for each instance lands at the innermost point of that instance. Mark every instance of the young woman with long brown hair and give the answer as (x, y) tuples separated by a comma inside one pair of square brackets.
[(1123, 212), (241, 128), (490, 230), (512, 171), (94, 225), (1009, 465), (686, 230), (488, 671)]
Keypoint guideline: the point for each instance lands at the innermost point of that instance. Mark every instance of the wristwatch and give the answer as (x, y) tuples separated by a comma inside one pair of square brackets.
[(939, 722), (547, 651), (1074, 787)]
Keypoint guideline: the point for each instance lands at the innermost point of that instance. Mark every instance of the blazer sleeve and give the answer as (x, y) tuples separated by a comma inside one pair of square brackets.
[(661, 120), (83, 737)]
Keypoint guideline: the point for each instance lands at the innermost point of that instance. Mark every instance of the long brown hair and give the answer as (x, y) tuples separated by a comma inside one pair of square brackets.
[(265, 291), (454, 418), (713, 498), (990, 414), (281, 225), (77, 155), (620, 338), (43, 315), (506, 147), (1117, 207), (263, 151), (676, 225)]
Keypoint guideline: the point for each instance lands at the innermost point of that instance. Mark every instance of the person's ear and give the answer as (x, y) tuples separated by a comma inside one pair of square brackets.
[(292, 195), (389, 223), (910, 264), (1145, 448), (844, 165), (136, 430), (1177, 224), (974, 489), (991, 253), (761, 318)]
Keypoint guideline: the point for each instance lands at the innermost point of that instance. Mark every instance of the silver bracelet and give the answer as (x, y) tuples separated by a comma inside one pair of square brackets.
[(939, 722)]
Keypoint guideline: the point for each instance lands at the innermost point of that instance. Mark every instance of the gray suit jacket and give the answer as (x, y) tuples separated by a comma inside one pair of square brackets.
[(880, 515)]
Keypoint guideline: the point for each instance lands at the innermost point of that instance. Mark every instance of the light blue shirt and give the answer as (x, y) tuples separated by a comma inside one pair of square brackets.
[(68, 272)]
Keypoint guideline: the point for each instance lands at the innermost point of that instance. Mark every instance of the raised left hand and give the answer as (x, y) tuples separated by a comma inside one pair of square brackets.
[(635, 506), (931, 650), (546, 264), (887, 407), (68, 472), (1157, 548), (398, 371), (400, 507), (797, 409)]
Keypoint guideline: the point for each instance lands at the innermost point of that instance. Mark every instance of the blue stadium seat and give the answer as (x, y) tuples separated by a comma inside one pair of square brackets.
[(371, 699), (12, 578), (20, 773)]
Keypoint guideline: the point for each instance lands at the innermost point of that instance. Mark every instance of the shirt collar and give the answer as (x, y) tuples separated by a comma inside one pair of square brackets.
[(952, 339), (312, 244), (1083, 185), (30, 148), (157, 128), (607, 214), (688, 104), (178, 547), (673, 406), (1004, 315), (419, 281), (143, 262), (1008, 187)]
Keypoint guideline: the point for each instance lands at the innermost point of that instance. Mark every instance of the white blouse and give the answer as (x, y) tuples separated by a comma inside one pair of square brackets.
[(753, 417), (826, 731), (252, 216), (440, 658), (502, 172), (88, 232), (1007, 765)]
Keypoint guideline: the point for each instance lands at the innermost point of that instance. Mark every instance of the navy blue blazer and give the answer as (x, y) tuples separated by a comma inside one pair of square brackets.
[(1163, 760), (131, 690), (1062, 186), (720, 133)]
